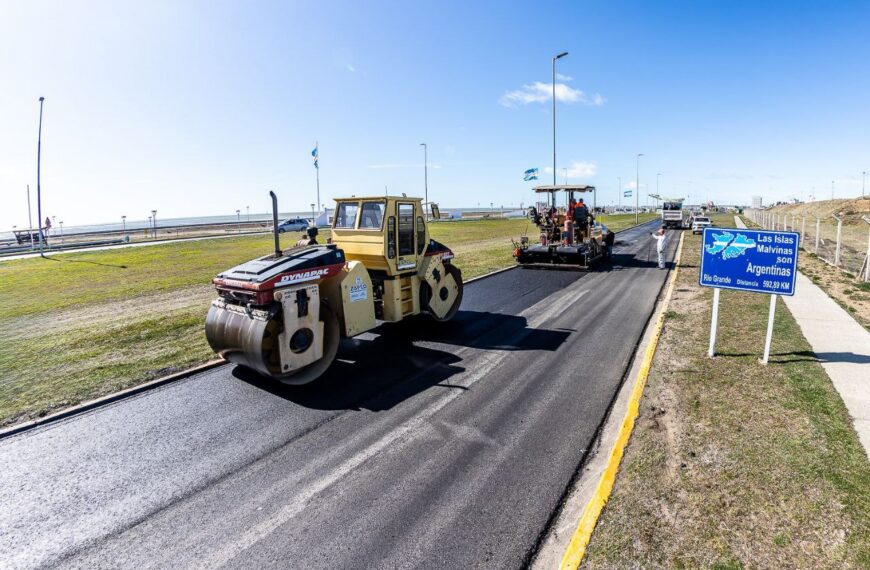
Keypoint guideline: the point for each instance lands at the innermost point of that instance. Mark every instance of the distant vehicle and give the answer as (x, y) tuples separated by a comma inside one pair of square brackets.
[(292, 225), (672, 214), (699, 223)]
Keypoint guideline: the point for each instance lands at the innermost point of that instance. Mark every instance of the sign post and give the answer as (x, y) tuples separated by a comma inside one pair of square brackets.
[(758, 261)]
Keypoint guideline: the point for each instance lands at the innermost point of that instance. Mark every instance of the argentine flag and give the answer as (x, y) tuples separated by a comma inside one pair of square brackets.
[(627, 194), (314, 154), (530, 174)]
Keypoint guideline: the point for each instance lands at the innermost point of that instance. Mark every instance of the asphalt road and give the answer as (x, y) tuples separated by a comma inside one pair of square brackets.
[(425, 446)]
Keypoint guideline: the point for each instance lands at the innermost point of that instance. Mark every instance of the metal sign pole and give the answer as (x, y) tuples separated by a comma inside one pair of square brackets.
[(818, 223), (769, 329), (714, 323), (839, 232)]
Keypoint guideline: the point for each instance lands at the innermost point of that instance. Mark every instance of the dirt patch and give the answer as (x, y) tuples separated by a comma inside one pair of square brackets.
[(852, 293)]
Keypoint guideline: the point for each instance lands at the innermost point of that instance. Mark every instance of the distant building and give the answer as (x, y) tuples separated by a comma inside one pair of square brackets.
[(756, 202)]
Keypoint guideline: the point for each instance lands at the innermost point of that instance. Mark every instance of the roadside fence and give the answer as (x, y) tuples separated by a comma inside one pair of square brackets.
[(835, 240)]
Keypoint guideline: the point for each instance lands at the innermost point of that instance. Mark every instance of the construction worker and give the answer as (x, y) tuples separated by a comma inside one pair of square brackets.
[(661, 237), (310, 237), (581, 218)]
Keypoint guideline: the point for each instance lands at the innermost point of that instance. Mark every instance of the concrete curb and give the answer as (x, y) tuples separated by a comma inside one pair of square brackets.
[(586, 525), (122, 395)]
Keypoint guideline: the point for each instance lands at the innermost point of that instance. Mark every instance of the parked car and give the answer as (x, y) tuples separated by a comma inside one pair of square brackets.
[(292, 225), (699, 223)]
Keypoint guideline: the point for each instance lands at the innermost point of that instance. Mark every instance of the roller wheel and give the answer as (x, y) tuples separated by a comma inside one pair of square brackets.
[(331, 338), (427, 293)]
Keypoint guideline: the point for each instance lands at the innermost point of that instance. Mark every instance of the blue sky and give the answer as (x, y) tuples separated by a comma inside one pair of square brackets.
[(198, 108)]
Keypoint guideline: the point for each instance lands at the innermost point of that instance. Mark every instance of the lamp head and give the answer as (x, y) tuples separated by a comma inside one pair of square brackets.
[(561, 55), (41, 99)]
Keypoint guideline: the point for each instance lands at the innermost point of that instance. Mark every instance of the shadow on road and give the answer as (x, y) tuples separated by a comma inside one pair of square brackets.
[(380, 372)]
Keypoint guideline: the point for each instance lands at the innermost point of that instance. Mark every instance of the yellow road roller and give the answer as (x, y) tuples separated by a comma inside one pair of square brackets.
[(284, 314)]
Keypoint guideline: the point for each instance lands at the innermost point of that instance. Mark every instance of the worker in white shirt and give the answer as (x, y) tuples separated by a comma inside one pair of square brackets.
[(661, 237)]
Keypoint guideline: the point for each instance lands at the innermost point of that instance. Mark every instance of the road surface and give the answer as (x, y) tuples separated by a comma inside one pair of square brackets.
[(424, 446)]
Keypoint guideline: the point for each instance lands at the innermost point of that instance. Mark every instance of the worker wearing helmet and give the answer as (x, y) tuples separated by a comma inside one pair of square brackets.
[(581, 217)]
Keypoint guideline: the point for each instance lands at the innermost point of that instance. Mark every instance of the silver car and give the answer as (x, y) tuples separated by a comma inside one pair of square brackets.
[(292, 225)]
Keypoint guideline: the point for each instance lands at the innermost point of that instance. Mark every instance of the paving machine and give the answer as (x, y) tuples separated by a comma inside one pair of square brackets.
[(562, 240), (284, 314)]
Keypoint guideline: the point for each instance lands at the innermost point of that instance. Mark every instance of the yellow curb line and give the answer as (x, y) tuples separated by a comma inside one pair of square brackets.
[(583, 533)]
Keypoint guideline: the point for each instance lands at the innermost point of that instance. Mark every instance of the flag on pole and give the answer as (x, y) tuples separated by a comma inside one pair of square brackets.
[(530, 174), (314, 154), (627, 194)]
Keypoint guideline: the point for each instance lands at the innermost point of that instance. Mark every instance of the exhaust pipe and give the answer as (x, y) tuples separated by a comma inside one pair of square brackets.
[(275, 223)]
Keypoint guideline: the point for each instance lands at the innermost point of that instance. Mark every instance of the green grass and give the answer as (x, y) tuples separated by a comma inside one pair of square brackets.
[(735, 464), (80, 325)]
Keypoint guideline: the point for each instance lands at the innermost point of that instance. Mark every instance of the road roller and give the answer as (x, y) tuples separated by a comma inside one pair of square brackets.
[(563, 238), (283, 315)]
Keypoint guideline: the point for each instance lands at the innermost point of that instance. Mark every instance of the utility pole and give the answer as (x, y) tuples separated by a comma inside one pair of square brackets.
[(154, 219), (124, 224), (559, 56), (38, 186)]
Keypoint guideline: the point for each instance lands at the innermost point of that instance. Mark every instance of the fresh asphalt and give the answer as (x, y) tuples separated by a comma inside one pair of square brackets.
[(424, 446)]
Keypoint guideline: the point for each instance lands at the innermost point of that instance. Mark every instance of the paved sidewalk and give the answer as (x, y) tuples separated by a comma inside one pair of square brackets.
[(839, 342)]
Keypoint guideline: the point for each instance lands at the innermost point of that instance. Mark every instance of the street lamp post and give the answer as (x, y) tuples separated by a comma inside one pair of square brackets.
[(425, 179), (313, 215), (149, 225), (248, 213), (637, 190), (658, 175), (154, 219), (238, 221), (559, 56), (38, 185), (863, 177), (61, 232), (832, 190), (124, 224)]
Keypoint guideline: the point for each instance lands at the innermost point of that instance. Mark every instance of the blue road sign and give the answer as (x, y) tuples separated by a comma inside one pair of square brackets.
[(749, 260)]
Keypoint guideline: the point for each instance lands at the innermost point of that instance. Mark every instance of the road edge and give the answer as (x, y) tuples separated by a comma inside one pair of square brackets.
[(576, 549)]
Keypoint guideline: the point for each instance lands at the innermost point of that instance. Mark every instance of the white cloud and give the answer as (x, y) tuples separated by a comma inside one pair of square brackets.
[(577, 169), (539, 92), (633, 185), (561, 77)]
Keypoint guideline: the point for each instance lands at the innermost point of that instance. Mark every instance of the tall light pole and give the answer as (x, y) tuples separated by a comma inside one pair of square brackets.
[(637, 190), (38, 186), (238, 221), (863, 177), (559, 56), (425, 179), (832, 190), (61, 231), (313, 215), (154, 219), (248, 213), (124, 224)]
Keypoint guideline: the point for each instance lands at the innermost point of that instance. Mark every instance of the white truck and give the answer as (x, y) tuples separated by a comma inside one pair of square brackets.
[(672, 215)]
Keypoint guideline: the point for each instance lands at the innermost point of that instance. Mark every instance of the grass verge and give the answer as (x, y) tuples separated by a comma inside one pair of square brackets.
[(733, 464), (77, 326)]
